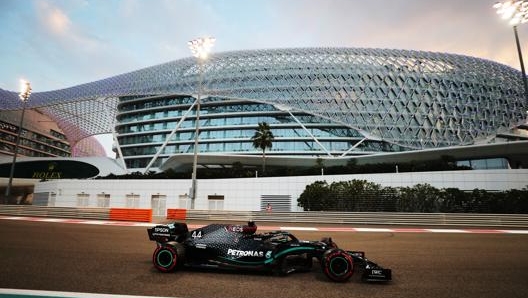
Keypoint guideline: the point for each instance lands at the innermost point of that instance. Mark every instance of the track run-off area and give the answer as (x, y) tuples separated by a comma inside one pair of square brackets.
[(80, 258)]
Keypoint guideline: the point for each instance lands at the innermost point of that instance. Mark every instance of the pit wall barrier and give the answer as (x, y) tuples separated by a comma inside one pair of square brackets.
[(55, 212), (129, 214), (177, 214)]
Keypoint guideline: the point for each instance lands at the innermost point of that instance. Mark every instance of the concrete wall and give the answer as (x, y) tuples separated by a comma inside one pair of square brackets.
[(245, 194)]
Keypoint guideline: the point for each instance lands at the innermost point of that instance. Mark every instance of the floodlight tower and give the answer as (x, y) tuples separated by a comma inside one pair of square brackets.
[(200, 49), (25, 92), (517, 13)]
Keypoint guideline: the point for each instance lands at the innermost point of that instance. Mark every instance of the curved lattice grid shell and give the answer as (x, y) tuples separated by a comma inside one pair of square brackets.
[(411, 98)]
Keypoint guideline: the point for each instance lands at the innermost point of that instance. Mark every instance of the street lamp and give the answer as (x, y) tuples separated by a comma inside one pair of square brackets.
[(517, 13), (25, 92), (200, 49)]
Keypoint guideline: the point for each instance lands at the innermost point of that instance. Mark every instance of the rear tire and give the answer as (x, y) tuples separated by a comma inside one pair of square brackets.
[(337, 265), (167, 258)]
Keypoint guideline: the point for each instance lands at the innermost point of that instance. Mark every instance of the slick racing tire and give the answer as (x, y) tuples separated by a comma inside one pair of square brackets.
[(337, 265), (167, 258)]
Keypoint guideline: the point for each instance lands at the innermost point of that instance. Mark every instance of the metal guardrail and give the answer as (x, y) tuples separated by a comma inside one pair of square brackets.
[(368, 218), (359, 218), (55, 212)]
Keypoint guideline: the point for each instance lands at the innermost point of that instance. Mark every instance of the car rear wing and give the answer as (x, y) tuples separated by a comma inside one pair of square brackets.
[(170, 232)]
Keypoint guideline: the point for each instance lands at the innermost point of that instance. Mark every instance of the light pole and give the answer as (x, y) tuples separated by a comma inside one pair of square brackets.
[(517, 13), (25, 91), (200, 49)]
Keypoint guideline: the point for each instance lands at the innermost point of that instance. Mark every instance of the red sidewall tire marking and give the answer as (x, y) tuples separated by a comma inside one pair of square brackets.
[(333, 256)]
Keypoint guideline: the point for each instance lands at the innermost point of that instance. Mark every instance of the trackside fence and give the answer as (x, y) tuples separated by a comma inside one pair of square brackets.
[(367, 218), (321, 217)]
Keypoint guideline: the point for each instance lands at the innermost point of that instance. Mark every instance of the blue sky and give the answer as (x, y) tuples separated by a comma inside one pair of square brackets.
[(62, 43)]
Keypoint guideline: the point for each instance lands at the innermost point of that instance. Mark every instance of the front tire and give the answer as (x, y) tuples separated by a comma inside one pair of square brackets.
[(337, 265), (167, 257)]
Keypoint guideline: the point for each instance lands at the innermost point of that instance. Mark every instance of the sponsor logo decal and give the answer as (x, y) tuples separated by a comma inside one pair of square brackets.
[(161, 229), (236, 229), (51, 173), (245, 253)]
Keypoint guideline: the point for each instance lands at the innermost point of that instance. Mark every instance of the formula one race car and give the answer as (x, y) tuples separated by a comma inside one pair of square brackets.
[(239, 247)]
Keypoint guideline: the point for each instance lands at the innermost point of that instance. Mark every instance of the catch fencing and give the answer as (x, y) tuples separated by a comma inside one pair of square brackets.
[(367, 218)]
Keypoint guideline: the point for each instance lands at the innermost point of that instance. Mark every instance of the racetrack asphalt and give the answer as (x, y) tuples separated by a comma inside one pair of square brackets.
[(117, 260)]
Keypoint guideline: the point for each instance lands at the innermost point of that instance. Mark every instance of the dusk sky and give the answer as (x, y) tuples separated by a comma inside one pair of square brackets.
[(58, 44)]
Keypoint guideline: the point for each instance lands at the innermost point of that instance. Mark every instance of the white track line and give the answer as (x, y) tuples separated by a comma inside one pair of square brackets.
[(65, 294), (285, 228)]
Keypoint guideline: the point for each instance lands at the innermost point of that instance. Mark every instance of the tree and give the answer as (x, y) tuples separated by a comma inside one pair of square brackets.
[(419, 198), (316, 197), (263, 139)]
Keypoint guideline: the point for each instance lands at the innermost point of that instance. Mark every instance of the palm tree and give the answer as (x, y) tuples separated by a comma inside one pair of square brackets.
[(263, 139)]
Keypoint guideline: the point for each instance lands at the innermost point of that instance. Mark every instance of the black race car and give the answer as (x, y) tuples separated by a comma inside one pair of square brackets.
[(239, 247)]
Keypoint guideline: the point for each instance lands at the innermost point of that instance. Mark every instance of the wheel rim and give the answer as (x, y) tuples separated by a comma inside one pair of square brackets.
[(339, 266), (164, 258)]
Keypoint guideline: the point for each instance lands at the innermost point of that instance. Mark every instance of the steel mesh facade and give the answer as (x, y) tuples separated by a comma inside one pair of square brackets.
[(389, 100)]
